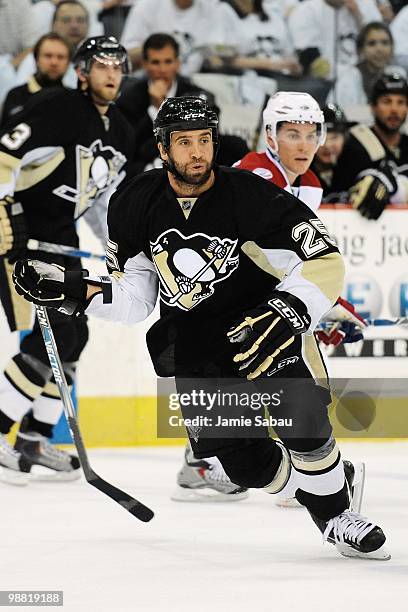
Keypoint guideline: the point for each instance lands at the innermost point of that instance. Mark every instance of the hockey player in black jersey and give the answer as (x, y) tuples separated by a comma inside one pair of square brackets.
[(244, 271), (59, 160), (373, 167)]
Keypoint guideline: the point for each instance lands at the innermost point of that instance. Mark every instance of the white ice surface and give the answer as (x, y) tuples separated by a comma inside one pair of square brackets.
[(248, 555)]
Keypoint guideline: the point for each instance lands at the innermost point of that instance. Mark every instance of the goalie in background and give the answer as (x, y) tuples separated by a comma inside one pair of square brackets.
[(373, 166)]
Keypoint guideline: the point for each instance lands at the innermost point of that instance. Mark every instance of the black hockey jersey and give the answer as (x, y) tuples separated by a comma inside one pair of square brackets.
[(363, 150), (59, 157), (18, 97), (239, 241)]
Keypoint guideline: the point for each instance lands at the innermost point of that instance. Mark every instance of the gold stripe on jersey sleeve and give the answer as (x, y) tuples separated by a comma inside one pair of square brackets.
[(369, 141), (314, 360), (7, 164), (37, 171), (21, 381), (22, 310), (326, 273), (255, 253)]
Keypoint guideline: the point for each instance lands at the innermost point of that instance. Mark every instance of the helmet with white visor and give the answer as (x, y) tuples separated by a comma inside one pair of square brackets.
[(292, 107)]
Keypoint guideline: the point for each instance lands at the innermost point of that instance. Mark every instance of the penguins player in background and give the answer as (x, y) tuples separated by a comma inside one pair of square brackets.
[(198, 236), (59, 160), (373, 166)]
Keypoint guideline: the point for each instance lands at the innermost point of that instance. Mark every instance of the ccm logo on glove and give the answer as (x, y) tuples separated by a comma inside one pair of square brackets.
[(290, 314)]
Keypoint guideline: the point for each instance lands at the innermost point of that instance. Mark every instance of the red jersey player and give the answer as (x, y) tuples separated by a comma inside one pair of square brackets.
[(294, 130)]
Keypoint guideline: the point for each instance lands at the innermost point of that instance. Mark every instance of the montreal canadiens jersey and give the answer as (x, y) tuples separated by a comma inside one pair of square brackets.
[(306, 187), (242, 238), (59, 157)]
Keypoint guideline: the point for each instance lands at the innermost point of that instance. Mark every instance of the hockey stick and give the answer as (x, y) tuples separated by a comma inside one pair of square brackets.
[(370, 322), (139, 510), (61, 249)]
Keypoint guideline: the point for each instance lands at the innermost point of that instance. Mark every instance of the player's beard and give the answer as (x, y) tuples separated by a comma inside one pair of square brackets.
[(389, 129), (181, 173), (45, 80)]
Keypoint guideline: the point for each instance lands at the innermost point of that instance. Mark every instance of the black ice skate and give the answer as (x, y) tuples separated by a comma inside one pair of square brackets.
[(355, 479), (352, 534), (36, 450)]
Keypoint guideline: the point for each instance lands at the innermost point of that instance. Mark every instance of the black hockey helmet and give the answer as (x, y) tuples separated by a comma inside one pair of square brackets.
[(389, 83), (182, 114), (334, 118), (104, 49)]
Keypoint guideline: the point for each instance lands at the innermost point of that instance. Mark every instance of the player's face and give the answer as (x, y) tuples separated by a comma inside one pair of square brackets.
[(377, 49), (53, 59), (332, 148), (297, 145), (104, 81), (391, 111), (162, 64), (71, 23), (192, 155)]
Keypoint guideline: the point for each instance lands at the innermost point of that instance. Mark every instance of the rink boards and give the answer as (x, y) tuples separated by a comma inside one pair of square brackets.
[(116, 383)]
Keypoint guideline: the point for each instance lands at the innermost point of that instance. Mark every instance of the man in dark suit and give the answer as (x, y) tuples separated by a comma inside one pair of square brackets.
[(140, 99)]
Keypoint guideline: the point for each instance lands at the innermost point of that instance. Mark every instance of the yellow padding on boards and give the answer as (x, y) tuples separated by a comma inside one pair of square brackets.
[(121, 421), (132, 421)]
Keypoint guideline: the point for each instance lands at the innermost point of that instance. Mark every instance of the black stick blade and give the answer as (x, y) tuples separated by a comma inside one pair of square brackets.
[(136, 508)]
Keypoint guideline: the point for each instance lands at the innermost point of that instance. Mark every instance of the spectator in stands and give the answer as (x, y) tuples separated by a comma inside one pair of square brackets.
[(71, 21), (375, 46), (399, 29), (386, 9), (196, 24), (44, 11), (140, 99), (325, 33), (327, 154), (18, 30), (374, 163), (264, 44), (52, 55)]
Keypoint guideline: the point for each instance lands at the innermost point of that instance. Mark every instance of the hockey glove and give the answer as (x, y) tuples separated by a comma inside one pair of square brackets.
[(373, 191), (347, 325), (51, 285), (13, 235), (267, 332)]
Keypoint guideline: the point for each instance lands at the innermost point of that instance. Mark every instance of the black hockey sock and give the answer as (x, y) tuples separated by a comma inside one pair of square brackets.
[(5, 423), (29, 423), (324, 507)]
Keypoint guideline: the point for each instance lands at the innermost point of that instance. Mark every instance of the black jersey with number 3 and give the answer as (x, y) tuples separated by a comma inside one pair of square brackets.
[(58, 157)]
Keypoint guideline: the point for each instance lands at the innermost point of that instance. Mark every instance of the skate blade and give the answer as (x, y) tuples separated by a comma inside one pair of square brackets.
[(43, 474), (358, 488), (13, 477), (205, 495), (288, 502), (381, 554)]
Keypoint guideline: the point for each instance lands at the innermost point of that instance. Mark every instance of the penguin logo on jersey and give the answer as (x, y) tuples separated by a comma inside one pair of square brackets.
[(189, 266), (97, 167)]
